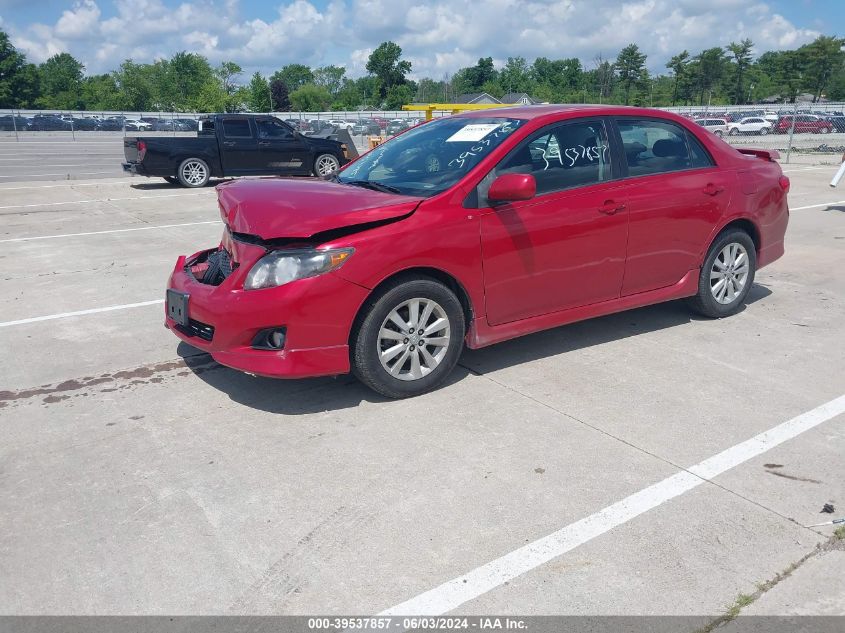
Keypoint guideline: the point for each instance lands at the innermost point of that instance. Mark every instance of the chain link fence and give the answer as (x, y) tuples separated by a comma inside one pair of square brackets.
[(795, 130)]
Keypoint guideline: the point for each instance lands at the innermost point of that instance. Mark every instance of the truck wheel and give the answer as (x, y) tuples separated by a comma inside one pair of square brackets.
[(325, 164), (193, 172)]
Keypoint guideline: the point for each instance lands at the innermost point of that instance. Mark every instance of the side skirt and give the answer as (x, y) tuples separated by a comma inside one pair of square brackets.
[(481, 334)]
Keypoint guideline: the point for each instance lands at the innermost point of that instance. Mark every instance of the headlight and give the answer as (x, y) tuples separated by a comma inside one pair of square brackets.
[(280, 267)]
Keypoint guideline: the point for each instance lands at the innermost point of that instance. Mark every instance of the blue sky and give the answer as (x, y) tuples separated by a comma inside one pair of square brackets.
[(437, 38)]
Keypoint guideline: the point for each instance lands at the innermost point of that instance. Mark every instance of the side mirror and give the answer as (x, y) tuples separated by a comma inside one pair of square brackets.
[(512, 187)]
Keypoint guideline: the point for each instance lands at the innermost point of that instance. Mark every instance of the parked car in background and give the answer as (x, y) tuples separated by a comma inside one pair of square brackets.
[(838, 123), (232, 145), (112, 124), (719, 127), (804, 123), (85, 124), (136, 125), (749, 125), (10, 122), (341, 124), (366, 127), (396, 126), (188, 125), (474, 229), (49, 123), (165, 125)]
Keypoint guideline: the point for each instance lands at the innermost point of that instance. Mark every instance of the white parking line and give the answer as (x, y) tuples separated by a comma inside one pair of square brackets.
[(473, 584), (56, 204), (96, 183), (814, 206), (81, 173), (65, 315), (139, 228)]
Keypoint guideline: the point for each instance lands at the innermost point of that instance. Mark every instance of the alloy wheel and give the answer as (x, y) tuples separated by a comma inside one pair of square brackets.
[(326, 165), (194, 172), (729, 273), (413, 339)]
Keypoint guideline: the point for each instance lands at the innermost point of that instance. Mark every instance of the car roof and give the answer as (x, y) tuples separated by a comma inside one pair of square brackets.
[(543, 111)]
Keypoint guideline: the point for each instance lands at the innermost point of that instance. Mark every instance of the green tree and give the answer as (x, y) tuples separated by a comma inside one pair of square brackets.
[(630, 68), (61, 82), (100, 92), (822, 59), (294, 75), (280, 96), (310, 98), (742, 60), (708, 68), (679, 65), (135, 86), (331, 78), (515, 76), (18, 80), (386, 64), (259, 94), (473, 78), (183, 77)]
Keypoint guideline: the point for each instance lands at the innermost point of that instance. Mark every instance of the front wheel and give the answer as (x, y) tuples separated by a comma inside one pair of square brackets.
[(193, 172), (409, 338), (726, 276), (325, 165), (733, 132)]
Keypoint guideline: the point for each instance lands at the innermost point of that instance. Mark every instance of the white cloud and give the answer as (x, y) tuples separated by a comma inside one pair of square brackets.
[(438, 38)]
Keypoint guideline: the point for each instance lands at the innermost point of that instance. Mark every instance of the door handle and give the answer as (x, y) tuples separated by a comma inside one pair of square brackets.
[(229, 143), (713, 190), (610, 207), (264, 143)]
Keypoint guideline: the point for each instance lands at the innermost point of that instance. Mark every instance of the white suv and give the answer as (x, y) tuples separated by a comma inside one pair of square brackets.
[(719, 127), (750, 125)]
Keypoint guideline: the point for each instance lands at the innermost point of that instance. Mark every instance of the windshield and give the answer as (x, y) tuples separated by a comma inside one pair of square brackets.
[(430, 158)]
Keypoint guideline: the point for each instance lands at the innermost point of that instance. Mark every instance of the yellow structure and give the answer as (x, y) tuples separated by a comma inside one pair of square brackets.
[(429, 108)]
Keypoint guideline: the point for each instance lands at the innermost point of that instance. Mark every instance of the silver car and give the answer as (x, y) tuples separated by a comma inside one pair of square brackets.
[(719, 127)]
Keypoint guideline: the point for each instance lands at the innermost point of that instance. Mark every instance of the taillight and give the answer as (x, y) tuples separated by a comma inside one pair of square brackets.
[(783, 181), (142, 150)]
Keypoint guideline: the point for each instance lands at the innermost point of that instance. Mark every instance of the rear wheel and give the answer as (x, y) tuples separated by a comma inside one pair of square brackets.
[(325, 164), (764, 131), (733, 131), (409, 339), (726, 276), (193, 172)]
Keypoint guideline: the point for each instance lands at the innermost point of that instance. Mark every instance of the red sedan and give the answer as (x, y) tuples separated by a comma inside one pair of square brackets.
[(475, 229)]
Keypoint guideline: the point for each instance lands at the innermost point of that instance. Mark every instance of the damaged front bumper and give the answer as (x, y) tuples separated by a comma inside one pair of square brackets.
[(316, 315)]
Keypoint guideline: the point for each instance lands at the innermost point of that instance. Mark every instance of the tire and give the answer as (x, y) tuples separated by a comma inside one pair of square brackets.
[(173, 180), (718, 268), (325, 164), (719, 133), (733, 131), (193, 173), (825, 130), (410, 370), (764, 131)]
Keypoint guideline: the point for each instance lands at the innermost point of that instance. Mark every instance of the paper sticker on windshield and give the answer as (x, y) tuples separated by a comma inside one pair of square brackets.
[(472, 133)]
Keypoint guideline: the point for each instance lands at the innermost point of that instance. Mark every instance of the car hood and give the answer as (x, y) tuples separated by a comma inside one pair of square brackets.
[(299, 208)]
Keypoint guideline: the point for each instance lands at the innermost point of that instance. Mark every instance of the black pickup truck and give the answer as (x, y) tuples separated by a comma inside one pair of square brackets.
[(233, 145)]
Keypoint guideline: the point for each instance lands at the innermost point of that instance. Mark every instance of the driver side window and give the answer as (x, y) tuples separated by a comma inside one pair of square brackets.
[(272, 129), (572, 154)]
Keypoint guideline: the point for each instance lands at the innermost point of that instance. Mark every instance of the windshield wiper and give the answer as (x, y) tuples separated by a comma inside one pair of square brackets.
[(372, 184)]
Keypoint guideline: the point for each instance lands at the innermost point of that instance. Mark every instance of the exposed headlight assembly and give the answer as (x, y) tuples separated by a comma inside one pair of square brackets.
[(280, 267)]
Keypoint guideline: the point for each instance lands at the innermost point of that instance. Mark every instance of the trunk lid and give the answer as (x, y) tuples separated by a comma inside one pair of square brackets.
[(299, 208)]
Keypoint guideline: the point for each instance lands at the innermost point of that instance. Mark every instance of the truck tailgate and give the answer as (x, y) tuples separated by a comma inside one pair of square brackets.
[(130, 149)]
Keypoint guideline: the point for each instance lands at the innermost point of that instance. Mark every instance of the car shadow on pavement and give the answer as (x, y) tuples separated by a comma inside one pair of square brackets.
[(288, 397), (157, 184), (316, 395)]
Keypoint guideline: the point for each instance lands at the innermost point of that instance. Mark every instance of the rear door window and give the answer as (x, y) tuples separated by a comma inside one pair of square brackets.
[(236, 128), (656, 147)]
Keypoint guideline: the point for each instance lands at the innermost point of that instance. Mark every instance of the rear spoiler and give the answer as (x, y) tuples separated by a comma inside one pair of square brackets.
[(765, 154)]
